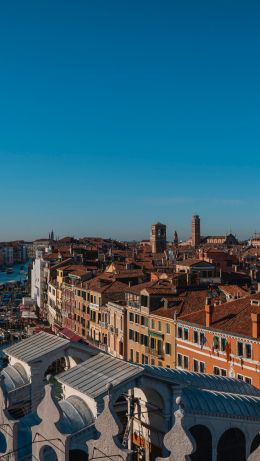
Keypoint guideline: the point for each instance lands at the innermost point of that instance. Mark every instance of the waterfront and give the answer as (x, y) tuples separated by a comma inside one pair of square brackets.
[(18, 274)]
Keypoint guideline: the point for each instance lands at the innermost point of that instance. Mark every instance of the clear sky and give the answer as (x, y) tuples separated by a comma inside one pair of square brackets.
[(118, 113)]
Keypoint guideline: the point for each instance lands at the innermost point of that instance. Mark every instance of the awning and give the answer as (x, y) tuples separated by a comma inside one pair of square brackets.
[(56, 328), (68, 334)]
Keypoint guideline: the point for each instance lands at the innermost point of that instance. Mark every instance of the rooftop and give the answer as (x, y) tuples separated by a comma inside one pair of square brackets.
[(93, 376), (232, 317), (35, 347)]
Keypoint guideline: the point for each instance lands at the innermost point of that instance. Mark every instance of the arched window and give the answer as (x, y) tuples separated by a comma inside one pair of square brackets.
[(47, 453), (232, 445), (203, 439), (3, 444), (255, 444)]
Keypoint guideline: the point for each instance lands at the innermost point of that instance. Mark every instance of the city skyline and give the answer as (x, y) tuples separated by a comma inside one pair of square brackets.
[(115, 115)]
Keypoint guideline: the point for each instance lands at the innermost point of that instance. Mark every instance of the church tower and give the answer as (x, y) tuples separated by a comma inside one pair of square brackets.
[(175, 238), (195, 231), (158, 238)]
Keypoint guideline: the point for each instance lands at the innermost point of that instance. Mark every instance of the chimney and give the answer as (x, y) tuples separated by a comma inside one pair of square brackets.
[(208, 312), (255, 318)]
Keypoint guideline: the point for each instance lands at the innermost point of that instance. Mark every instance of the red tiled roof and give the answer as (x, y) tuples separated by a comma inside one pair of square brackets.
[(233, 317), (233, 290)]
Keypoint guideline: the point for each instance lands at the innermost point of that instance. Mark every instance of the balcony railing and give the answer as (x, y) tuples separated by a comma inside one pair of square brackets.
[(93, 306), (113, 329), (155, 352), (134, 304), (103, 324)]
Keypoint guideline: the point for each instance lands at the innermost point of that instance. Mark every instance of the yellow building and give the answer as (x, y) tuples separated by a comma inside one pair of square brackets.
[(151, 337)]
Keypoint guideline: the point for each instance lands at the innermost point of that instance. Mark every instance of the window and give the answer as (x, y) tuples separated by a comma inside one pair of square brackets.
[(244, 350), (179, 332), (168, 328), (131, 355), (137, 357), (195, 365), (159, 347), (202, 367), (239, 348), (144, 301), (121, 348), (223, 344), (185, 362), (152, 343), (215, 342), (245, 378), (145, 340), (186, 334), (219, 371), (179, 360), (202, 339), (137, 318), (153, 324), (159, 326), (137, 337), (168, 348), (131, 317), (248, 351), (142, 320), (131, 334), (195, 337), (144, 359)]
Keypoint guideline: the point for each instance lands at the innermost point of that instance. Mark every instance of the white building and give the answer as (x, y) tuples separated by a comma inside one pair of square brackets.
[(39, 279)]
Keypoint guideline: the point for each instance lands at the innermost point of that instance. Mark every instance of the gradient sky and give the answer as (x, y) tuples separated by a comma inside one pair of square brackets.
[(115, 114)]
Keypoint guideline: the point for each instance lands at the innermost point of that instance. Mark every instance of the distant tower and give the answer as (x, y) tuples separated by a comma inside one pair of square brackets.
[(195, 230), (51, 236), (175, 238), (158, 238)]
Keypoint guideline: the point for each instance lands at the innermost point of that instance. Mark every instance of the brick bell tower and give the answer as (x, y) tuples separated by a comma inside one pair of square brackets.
[(195, 231), (158, 238)]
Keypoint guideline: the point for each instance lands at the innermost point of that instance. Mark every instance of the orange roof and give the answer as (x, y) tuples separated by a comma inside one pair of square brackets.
[(232, 317)]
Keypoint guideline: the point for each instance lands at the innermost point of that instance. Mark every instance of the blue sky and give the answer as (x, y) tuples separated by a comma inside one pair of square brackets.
[(115, 114)]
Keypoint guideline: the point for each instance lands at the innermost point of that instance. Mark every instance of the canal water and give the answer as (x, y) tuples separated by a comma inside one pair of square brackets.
[(18, 274)]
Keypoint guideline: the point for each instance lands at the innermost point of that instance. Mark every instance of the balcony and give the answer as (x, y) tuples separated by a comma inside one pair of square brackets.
[(93, 306), (134, 304), (155, 353), (103, 324), (113, 329)]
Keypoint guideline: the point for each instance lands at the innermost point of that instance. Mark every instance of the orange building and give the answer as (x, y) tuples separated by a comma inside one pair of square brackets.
[(222, 339)]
